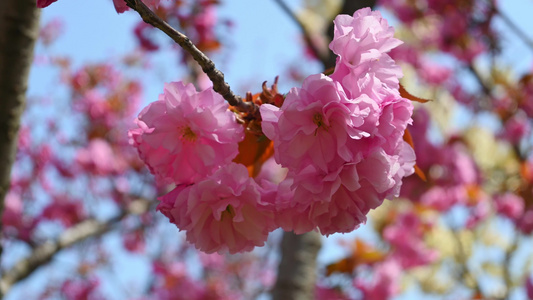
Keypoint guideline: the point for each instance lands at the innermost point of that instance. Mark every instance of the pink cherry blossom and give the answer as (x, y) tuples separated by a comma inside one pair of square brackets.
[(68, 212), (363, 37), (443, 198), (479, 212), (44, 3), (453, 27), (406, 236), (517, 127), (272, 172), (378, 79), (186, 135), (222, 213), (404, 9), (134, 241), (80, 288), (509, 205), (361, 43), (435, 74), (395, 116), (313, 125), (529, 287), (50, 31), (339, 201), (172, 279), (15, 222), (287, 216), (340, 141), (311, 133), (339, 137), (462, 168), (204, 22), (120, 6), (211, 261), (346, 206), (141, 32), (13, 210), (98, 158), (525, 224), (385, 282)]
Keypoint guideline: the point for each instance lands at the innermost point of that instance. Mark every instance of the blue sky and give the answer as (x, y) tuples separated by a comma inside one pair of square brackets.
[(94, 32), (263, 41)]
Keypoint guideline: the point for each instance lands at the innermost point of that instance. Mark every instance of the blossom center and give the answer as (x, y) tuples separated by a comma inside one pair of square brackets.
[(187, 134), (230, 212), (319, 121)]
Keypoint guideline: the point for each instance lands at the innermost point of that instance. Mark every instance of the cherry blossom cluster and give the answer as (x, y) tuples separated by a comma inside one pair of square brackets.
[(196, 19), (340, 137), (460, 24), (103, 102)]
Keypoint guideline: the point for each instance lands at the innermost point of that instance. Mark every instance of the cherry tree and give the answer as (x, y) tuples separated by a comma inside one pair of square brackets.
[(223, 195)]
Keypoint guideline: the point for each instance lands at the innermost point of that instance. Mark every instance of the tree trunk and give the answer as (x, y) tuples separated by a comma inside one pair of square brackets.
[(19, 29), (297, 268)]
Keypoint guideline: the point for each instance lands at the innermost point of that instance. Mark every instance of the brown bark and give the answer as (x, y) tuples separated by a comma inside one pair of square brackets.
[(19, 28), (297, 269)]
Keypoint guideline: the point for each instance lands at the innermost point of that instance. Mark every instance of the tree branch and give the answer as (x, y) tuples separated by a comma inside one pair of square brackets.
[(87, 229), (507, 276), (487, 90), (19, 28), (323, 57), (208, 66), (464, 275), (517, 30)]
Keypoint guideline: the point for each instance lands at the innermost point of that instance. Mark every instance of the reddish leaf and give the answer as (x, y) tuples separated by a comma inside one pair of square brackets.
[(405, 94), (362, 254), (254, 151), (420, 174), (409, 140)]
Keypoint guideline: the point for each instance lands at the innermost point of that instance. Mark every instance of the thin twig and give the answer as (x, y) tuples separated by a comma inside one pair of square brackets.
[(464, 272), (507, 276), (87, 229), (208, 66), (521, 34), (307, 36), (487, 90)]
